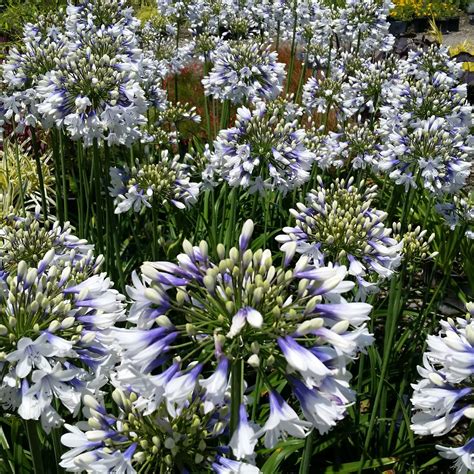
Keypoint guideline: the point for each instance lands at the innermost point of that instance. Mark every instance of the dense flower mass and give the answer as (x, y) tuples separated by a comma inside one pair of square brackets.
[(425, 125), (162, 181), (442, 398), (244, 72), (136, 441), (331, 159), (264, 150), (56, 308), (247, 312), (339, 226)]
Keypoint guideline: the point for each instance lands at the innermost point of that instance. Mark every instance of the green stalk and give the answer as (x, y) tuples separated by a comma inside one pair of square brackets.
[(237, 374), (111, 225), (80, 186), (396, 288), (278, 37), (57, 448), (20, 180), (231, 222), (98, 194), (35, 446), (266, 218), (176, 75), (302, 76), (256, 397), (292, 53), (307, 454), (225, 114), (206, 108), (57, 174), (214, 116), (154, 224), (63, 175), (39, 171)]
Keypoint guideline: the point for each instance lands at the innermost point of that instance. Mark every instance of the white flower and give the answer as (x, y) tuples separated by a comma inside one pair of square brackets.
[(282, 421), (32, 354), (180, 388), (243, 439)]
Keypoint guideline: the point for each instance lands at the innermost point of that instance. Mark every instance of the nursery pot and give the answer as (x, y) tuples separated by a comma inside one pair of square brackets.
[(470, 93), (468, 77), (398, 27), (448, 25), (453, 23), (420, 25), (464, 57)]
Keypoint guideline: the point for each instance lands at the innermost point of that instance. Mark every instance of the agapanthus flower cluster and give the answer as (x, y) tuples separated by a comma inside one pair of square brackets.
[(56, 309), (424, 125), (244, 71), (168, 121), (361, 27), (323, 93), (442, 399), (160, 42), (86, 74), (458, 212), (166, 179), (362, 92), (43, 43), (28, 239), (246, 314), (354, 143), (416, 245), (266, 149), (93, 16), (432, 152), (339, 226), (148, 441), (94, 95)]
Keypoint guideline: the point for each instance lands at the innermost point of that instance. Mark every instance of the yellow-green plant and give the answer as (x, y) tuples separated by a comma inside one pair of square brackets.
[(19, 181)]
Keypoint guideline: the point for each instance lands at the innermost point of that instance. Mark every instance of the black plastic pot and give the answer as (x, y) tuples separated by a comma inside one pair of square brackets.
[(470, 93), (397, 27), (420, 25), (448, 25), (464, 57)]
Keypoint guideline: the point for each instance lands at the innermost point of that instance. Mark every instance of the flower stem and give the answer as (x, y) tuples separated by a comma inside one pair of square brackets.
[(302, 76), (237, 376), (39, 171), (394, 309), (292, 53), (18, 171), (98, 195), (225, 114), (307, 454), (63, 175), (154, 224), (35, 446), (206, 107)]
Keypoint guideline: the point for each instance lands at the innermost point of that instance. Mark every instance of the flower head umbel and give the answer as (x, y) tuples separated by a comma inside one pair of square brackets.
[(264, 150), (244, 71), (129, 440), (93, 89), (443, 396), (164, 180), (245, 308), (26, 238), (55, 310), (425, 124), (339, 226)]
